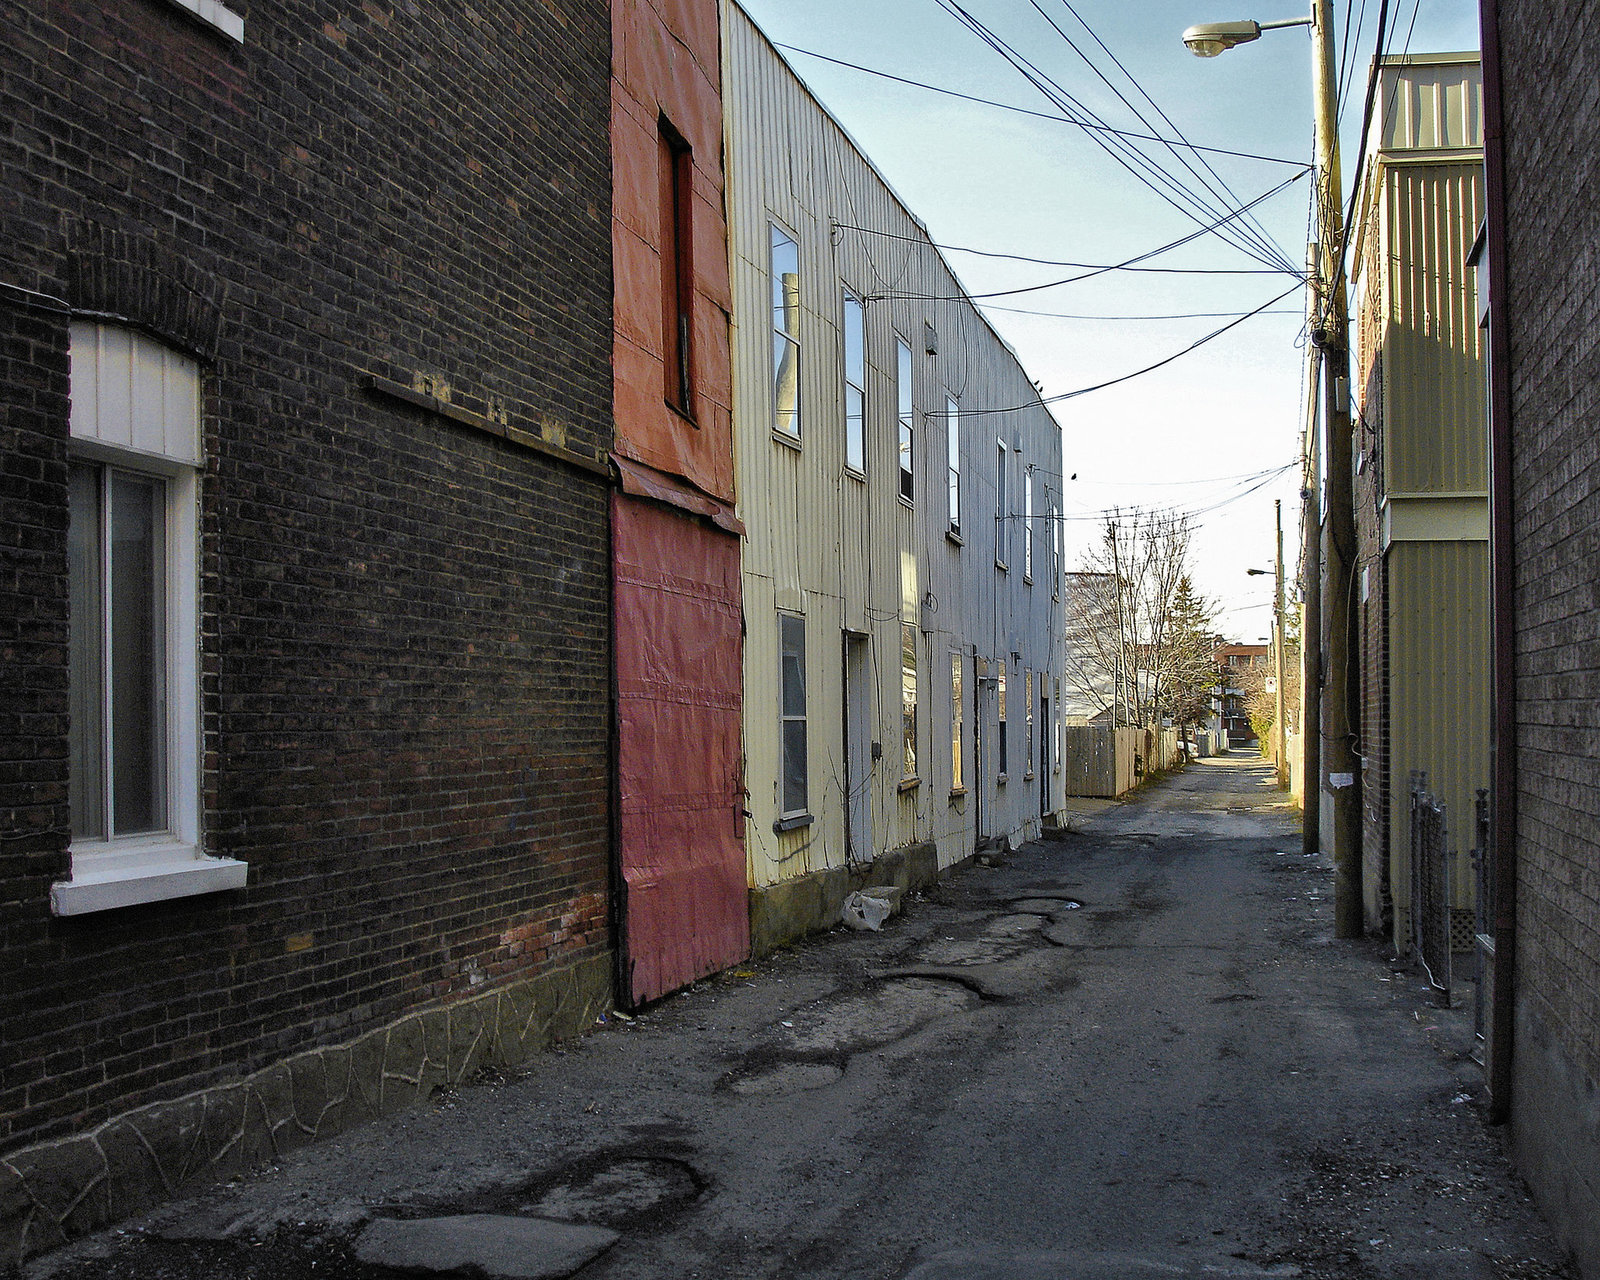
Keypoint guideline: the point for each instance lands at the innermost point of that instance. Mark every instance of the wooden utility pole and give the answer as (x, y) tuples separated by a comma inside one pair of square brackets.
[(1278, 727), (1340, 716)]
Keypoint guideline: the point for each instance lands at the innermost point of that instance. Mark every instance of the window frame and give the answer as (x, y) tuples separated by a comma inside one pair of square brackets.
[(909, 695), (778, 303), (855, 424), (675, 158), (952, 412), (1004, 754), (135, 410), (906, 418), (957, 723), (1027, 525), (1001, 499), (790, 627)]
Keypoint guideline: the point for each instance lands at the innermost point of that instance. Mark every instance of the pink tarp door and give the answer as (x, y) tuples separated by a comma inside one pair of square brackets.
[(685, 910)]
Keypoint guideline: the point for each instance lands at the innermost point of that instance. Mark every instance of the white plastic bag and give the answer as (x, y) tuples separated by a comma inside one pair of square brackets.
[(862, 913)]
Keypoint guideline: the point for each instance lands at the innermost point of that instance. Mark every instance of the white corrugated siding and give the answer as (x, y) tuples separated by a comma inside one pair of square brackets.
[(850, 554)]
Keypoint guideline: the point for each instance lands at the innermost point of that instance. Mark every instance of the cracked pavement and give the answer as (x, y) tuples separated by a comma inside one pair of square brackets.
[(1132, 1050)]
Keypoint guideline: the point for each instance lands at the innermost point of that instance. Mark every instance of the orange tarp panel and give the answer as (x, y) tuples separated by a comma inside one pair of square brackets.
[(685, 907)]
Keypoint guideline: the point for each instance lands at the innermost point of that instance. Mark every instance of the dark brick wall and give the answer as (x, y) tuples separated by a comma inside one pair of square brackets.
[(405, 653), (1552, 151), (1369, 596)]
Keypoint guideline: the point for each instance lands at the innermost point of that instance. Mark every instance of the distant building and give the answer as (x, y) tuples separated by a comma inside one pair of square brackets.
[(1231, 707)]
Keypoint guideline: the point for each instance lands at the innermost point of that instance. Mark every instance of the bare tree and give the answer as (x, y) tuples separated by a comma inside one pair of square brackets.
[(1120, 627)]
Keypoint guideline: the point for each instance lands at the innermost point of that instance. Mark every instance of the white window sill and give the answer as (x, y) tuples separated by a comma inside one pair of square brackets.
[(215, 15), (152, 874)]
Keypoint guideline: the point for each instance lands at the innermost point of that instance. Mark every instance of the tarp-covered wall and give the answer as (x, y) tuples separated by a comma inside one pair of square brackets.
[(685, 911)]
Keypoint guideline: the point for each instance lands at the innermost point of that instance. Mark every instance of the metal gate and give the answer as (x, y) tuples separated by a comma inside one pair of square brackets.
[(1430, 887)]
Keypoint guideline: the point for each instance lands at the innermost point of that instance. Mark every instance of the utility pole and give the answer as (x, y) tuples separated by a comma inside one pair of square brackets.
[(1278, 727), (1340, 716)]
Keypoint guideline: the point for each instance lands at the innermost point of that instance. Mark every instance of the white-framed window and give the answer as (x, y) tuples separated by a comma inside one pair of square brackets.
[(1027, 695), (793, 790), (952, 418), (133, 597), (1027, 524), (1000, 702), (855, 384), (957, 778), (908, 698), (1055, 561), (906, 413), (784, 264), (1000, 506)]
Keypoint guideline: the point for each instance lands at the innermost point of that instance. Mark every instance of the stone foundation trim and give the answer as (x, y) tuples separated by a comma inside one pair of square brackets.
[(59, 1190)]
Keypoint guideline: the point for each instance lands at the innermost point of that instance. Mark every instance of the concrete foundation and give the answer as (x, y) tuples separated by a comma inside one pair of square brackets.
[(59, 1190), (789, 910)]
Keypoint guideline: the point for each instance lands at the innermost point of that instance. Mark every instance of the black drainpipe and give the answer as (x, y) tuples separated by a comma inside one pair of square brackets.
[(1503, 577)]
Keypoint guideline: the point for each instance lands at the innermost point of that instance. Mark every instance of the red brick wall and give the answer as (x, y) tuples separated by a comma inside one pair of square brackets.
[(405, 621)]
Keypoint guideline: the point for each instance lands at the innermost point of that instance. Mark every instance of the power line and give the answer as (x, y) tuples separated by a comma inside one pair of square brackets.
[(1141, 166), (1186, 315), (1052, 117), (1137, 373), (1258, 232)]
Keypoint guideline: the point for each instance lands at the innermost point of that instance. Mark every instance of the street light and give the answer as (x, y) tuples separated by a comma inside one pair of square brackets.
[(1279, 729), (1208, 39), (1331, 719)]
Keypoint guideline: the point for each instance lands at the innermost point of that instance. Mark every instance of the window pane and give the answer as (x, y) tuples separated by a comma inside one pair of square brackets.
[(907, 413), (138, 654), (855, 349), (794, 766), (955, 721), (855, 441), (786, 384), (792, 697), (86, 731), (794, 666), (908, 695), (952, 421), (785, 284)]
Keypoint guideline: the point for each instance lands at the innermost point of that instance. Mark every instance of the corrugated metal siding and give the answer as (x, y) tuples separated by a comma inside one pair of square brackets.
[(847, 554), (1439, 666), (1433, 379), (1430, 105)]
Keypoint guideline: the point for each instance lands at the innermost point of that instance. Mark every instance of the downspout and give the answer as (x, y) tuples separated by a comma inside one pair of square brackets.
[(1503, 578)]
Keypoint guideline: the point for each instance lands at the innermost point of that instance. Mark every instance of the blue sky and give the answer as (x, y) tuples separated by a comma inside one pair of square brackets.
[(1189, 434)]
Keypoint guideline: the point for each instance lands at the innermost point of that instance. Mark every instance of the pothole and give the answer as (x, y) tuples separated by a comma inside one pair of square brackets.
[(617, 1191), (871, 1018), (787, 1078), (1046, 906)]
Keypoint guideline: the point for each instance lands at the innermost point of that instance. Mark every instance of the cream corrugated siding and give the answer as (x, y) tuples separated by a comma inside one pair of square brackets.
[(848, 554), (1439, 661), (1433, 348)]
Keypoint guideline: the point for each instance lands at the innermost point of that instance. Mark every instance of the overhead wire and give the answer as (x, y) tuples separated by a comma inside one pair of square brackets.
[(1127, 377), (1156, 178), (1055, 117), (1256, 230)]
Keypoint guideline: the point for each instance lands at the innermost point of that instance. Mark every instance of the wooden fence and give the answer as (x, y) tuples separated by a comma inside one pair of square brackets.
[(1102, 761)]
